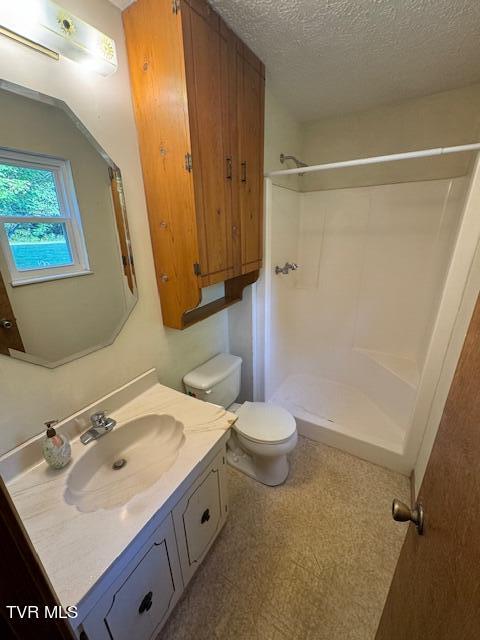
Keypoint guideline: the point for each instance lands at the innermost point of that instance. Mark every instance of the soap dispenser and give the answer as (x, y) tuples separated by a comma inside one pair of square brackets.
[(56, 449)]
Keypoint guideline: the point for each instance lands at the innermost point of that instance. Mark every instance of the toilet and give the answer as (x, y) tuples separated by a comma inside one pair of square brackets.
[(263, 435)]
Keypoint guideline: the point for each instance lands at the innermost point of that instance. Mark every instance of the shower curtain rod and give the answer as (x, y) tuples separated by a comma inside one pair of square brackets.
[(440, 151)]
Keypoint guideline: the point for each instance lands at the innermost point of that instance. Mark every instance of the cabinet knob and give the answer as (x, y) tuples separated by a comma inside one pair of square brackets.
[(146, 603), (205, 516)]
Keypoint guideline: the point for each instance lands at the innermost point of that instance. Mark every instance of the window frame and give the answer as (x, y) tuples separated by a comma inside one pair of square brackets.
[(69, 216)]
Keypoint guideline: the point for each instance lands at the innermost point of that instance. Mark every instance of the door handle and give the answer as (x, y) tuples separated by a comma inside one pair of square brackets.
[(205, 516), (6, 324), (244, 171), (402, 513)]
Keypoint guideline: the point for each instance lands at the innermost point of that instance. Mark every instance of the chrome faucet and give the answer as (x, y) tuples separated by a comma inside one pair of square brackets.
[(100, 426), (288, 266)]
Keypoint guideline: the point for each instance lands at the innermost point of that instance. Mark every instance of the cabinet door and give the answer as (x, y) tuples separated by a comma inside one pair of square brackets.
[(139, 602), (230, 129), (144, 599), (155, 50), (211, 162), (200, 515), (251, 87)]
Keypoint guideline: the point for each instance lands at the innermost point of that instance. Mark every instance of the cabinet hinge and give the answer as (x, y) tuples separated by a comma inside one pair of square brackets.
[(188, 162), (196, 269), (175, 6)]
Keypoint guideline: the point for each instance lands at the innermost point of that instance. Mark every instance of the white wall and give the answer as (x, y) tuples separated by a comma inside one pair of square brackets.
[(240, 337), (442, 119), (285, 314), (457, 338), (282, 134), (456, 307), (29, 394)]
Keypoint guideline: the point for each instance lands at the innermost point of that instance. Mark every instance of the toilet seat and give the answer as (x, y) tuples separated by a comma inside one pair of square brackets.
[(264, 423)]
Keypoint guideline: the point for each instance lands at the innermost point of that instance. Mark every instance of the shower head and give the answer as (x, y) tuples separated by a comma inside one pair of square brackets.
[(299, 163)]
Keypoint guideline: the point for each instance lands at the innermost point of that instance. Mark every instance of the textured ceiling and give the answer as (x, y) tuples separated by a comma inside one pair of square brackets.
[(325, 57)]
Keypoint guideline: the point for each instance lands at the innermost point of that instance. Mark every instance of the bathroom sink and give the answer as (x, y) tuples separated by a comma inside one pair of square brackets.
[(124, 462)]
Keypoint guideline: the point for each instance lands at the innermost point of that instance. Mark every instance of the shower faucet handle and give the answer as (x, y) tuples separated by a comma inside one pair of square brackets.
[(287, 267)]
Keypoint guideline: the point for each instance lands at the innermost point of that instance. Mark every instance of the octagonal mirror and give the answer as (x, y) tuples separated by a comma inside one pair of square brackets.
[(67, 277)]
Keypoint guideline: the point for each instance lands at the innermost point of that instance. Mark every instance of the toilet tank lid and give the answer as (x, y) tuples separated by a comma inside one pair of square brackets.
[(212, 372)]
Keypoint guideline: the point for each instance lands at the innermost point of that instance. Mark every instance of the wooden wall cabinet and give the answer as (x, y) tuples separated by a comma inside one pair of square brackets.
[(198, 95)]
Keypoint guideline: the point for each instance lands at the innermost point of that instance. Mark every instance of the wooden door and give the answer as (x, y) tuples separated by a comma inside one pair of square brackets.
[(250, 89), (435, 592), (207, 87), (9, 334)]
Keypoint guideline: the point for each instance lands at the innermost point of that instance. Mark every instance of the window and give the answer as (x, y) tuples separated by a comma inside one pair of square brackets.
[(40, 227)]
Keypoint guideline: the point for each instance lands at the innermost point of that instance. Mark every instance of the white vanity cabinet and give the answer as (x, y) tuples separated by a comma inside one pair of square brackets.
[(200, 515), (137, 603)]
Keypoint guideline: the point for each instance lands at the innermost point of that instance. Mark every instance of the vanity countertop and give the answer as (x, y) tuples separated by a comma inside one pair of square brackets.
[(76, 548)]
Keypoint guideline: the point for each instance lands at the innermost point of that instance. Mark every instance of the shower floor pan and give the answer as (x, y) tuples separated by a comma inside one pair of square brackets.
[(342, 416)]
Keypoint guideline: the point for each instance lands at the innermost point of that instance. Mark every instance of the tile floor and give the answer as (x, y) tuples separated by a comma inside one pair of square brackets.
[(309, 560)]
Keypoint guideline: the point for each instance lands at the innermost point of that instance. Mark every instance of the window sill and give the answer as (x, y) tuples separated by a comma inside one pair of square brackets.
[(59, 276)]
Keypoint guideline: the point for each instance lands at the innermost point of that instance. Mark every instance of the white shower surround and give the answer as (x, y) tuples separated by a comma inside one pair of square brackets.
[(347, 336)]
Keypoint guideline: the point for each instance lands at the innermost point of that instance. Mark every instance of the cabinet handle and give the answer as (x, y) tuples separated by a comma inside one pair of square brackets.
[(244, 171), (229, 168), (146, 603), (205, 516)]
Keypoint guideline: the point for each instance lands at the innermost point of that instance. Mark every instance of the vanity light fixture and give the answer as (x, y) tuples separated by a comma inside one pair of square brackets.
[(47, 27)]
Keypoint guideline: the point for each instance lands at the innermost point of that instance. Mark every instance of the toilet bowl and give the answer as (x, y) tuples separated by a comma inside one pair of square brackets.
[(263, 435), (261, 439)]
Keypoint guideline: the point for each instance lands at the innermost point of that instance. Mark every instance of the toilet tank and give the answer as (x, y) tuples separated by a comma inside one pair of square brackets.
[(217, 380)]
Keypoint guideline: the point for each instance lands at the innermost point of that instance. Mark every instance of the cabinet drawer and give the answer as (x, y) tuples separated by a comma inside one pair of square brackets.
[(200, 515), (138, 603)]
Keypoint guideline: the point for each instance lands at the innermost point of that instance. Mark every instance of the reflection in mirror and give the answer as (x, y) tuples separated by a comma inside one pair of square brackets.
[(67, 280)]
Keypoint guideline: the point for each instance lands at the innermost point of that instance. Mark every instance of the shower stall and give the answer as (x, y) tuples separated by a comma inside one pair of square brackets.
[(352, 341)]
